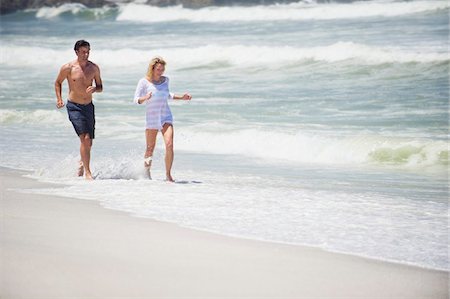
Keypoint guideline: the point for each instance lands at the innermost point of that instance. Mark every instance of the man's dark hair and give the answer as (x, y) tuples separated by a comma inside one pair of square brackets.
[(81, 43)]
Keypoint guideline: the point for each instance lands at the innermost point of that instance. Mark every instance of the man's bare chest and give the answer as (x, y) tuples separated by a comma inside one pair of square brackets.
[(79, 76)]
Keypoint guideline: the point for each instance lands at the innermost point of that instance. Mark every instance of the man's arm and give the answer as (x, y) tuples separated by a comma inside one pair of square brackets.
[(98, 82), (63, 74)]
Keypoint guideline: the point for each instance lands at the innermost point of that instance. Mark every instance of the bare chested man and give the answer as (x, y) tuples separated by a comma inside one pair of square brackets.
[(80, 75)]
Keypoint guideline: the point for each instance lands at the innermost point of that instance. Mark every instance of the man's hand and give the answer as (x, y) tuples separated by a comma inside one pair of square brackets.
[(59, 104), (91, 89)]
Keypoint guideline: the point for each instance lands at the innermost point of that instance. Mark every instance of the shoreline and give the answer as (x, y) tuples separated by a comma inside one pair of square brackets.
[(56, 247), (27, 174)]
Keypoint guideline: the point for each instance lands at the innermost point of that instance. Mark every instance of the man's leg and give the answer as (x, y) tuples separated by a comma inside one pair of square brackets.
[(167, 132), (85, 153), (80, 168)]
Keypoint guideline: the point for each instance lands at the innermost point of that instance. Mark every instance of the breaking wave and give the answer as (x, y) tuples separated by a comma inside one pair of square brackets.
[(40, 116), (300, 11), (225, 56), (319, 149)]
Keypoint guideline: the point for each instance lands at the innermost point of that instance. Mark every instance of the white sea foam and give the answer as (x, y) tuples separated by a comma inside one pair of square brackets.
[(317, 149), (303, 10), (295, 12), (50, 12), (72, 9), (268, 145), (40, 116), (225, 56), (264, 144)]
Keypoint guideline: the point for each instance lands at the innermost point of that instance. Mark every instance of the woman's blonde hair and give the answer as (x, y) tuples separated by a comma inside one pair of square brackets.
[(152, 64)]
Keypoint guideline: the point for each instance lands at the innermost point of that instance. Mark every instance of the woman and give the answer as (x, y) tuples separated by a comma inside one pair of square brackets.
[(153, 90)]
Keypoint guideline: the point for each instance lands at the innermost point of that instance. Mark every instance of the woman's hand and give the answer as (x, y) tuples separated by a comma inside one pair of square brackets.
[(145, 98), (186, 97)]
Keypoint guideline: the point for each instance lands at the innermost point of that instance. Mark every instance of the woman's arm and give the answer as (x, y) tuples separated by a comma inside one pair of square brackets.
[(144, 98), (185, 96), (173, 96), (139, 95)]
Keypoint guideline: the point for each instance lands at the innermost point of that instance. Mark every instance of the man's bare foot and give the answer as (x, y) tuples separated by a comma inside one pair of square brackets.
[(169, 178), (88, 176), (80, 169), (147, 173)]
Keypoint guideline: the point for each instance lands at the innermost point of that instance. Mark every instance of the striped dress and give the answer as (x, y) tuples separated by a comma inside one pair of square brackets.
[(157, 108)]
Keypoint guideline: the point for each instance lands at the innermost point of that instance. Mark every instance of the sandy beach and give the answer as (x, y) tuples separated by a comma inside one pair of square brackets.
[(54, 247)]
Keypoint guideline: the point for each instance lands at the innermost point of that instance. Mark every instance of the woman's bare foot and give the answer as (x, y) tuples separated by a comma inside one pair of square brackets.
[(147, 165), (80, 169), (88, 176), (169, 178), (147, 172)]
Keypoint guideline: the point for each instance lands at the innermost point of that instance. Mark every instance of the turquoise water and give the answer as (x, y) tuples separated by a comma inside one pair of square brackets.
[(311, 124)]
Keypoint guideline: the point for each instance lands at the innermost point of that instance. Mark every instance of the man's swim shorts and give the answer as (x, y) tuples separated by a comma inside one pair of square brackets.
[(82, 118)]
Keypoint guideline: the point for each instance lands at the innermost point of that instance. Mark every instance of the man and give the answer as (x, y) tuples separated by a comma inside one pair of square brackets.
[(80, 75)]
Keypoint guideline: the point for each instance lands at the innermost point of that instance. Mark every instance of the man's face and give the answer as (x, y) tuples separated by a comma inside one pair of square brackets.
[(83, 53)]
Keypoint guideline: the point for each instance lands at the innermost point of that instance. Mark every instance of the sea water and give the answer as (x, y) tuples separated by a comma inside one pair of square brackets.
[(319, 124)]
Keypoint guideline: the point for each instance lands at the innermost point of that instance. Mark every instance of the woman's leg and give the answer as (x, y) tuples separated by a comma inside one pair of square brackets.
[(167, 132), (150, 139)]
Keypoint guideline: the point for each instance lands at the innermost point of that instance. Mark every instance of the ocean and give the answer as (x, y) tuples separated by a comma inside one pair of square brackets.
[(315, 124)]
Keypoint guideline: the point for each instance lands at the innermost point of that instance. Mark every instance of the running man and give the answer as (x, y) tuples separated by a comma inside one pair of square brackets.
[(80, 74)]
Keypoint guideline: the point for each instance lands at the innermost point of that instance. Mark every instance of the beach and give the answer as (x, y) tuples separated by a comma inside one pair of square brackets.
[(311, 162), (57, 247)]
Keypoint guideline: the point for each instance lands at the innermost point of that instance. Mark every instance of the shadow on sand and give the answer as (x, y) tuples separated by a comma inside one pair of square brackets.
[(188, 182)]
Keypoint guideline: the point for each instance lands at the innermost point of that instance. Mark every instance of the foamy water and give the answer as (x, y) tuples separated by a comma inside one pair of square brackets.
[(237, 55), (303, 10), (321, 124)]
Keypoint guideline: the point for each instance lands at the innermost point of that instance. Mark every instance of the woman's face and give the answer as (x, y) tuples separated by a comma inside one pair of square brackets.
[(158, 70)]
